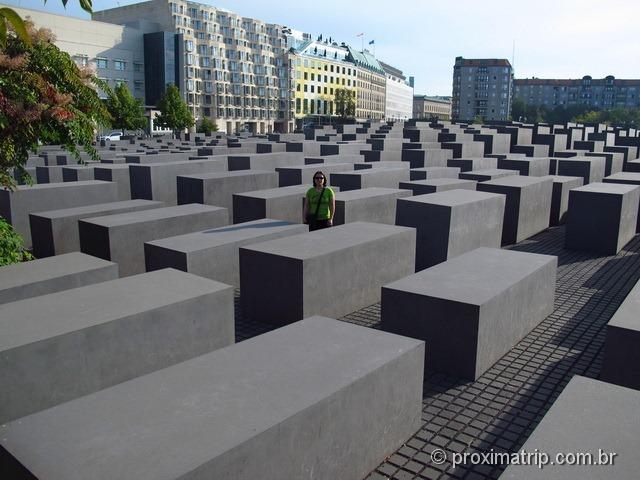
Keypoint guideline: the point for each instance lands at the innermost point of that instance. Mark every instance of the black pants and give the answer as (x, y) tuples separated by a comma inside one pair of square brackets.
[(318, 225)]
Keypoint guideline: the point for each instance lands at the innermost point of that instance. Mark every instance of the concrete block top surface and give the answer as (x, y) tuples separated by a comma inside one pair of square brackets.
[(439, 181), (166, 424), (44, 186), (627, 314), (97, 208), (139, 216), (474, 277), (491, 172), (48, 268), (588, 416), (70, 310), (329, 240), (621, 177), (517, 181), (369, 193), (607, 188), (221, 236), (222, 175), (452, 198), (279, 192), (564, 178)]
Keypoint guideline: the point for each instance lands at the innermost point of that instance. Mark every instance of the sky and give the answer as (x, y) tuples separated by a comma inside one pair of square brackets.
[(545, 38)]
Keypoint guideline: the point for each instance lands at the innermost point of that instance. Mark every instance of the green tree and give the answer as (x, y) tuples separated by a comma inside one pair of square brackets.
[(518, 109), (44, 98), (588, 117), (11, 245), (345, 101), (127, 113), (174, 112), (207, 126)]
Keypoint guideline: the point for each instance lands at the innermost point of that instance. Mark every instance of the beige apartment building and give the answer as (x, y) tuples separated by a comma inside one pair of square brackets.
[(431, 107)]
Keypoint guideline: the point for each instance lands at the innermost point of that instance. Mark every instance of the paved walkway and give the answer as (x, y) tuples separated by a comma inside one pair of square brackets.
[(500, 410)]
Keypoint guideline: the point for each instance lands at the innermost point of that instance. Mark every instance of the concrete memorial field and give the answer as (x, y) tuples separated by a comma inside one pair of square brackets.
[(477, 292)]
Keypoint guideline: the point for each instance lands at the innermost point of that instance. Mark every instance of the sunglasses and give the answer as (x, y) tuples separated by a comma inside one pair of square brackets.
[(318, 178)]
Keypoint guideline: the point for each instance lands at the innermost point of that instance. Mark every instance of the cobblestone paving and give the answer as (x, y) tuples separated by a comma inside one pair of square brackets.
[(499, 411)]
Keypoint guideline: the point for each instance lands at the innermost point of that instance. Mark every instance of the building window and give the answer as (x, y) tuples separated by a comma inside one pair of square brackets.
[(81, 60), (119, 65), (101, 63), (137, 67), (137, 85)]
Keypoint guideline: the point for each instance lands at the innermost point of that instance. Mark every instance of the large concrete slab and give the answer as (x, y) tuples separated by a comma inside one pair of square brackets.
[(16, 205), (429, 173), (377, 205), (421, 187), (592, 425), (560, 197), (284, 405), (303, 175), (473, 309), (477, 163), (62, 272), (621, 364), (117, 173), (334, 271), (591, 169), (375, 177), (528, 205), (61, 346), (213, 253), (120, 237), (487, 174), (602, 217), (157, 181), (451, 223), (532, 167), (628, 178), (218, 188), (56, 231)]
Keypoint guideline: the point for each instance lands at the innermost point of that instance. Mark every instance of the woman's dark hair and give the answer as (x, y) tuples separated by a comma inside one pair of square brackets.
[(324, 178)]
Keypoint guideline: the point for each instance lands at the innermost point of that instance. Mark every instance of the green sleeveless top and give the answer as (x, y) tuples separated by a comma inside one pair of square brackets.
[(312, 198)]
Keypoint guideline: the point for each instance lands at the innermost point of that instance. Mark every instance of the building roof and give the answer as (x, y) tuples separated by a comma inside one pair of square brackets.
[(427, 98), (482, 62), (396, 72), (365, 60), (522, 82)]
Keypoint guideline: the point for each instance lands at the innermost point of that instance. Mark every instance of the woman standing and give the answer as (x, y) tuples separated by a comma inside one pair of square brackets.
[(319, 203)]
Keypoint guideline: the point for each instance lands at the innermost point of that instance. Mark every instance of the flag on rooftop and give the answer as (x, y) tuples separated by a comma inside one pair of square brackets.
[(372, 42), (360, 34)]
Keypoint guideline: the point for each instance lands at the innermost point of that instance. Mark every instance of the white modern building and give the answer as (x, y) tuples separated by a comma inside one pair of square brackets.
[(399, 94), (114, 52)]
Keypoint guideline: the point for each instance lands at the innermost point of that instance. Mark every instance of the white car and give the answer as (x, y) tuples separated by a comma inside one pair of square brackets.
[(112, 136)]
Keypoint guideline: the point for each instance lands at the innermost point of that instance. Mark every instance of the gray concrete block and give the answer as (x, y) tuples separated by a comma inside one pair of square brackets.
[(334, 271), (602, 217), (64, 345), (591, 169), (528, 205), (588, 418), (621, 364), (530, 166), (377, 205), (62, 272), (486, 174), (431, 157), (451, 223), (375, 177), (157, 181), (117, 173), (531, 150), (560, 197), (477, 163), (15, 206), (56, 231), (629, 178), (429, 173), (213, 253), (265, 161), (49, 174), (473, 309), (120, 237), (382, 164), (421, 187), (283, 203), (284, 405), (304, 175), (218, 188), (76, 173), (614, 161)]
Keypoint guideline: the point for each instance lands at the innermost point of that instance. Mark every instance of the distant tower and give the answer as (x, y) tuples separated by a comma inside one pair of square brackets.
[(411, 82)]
